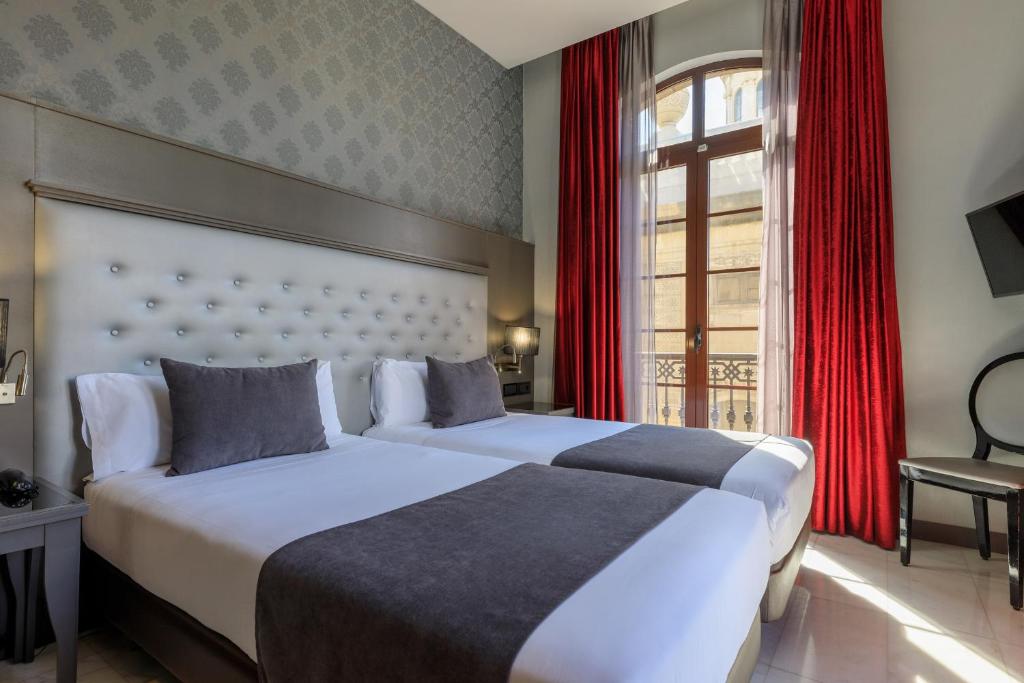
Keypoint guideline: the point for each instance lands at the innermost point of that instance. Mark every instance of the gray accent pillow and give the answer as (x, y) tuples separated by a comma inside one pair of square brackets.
[(459, 393), (223, 416)]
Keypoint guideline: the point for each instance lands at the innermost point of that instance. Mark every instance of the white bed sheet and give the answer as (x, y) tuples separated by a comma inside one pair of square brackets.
[(779, 472), (675, 606)]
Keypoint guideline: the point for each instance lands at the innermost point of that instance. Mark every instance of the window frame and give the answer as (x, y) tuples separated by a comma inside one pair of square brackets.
[(696, 154)]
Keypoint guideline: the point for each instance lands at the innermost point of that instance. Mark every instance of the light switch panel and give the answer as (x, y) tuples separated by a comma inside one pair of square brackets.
[(7, 392)]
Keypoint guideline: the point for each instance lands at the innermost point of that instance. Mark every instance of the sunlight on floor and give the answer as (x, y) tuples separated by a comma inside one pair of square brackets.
[(932, 640)]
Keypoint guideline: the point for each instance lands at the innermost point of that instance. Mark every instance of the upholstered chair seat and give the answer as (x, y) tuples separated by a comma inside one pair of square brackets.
[(995, 473)]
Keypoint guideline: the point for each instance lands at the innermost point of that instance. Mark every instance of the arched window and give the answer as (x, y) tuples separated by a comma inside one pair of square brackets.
[(708, 246), (760, 97)]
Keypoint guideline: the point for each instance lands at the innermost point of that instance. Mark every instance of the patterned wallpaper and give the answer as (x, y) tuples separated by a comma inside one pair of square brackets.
[(375, 96)]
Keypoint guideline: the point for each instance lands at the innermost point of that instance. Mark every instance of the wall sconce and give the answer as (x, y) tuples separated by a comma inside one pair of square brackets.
[(10, 391), (519, 342)]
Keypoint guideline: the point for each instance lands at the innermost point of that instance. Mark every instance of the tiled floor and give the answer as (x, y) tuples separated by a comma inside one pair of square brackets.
[(103, 657), (856, 615)]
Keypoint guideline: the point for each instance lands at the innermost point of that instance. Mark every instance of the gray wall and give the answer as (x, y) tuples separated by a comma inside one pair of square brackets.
[(374, 96), (692, 30), (956, 102), (16, 272)]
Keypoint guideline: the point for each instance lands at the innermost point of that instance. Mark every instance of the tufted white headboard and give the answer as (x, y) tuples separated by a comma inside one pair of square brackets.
[(116, 291)]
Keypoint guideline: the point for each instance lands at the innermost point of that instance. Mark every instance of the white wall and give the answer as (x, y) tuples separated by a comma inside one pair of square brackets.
[(686, 32), (956, 108)]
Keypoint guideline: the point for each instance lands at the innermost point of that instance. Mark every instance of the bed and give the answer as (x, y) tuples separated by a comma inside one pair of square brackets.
[(117, 291), (678, 604), (777, 471)]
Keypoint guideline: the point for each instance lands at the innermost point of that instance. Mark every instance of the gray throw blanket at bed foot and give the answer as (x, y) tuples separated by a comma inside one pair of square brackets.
[(691, 456), (450, 588)]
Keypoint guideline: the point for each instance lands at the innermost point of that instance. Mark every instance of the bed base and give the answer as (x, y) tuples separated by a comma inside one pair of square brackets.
[(746, 659), (783, 577), (195, 654), (183, 646)]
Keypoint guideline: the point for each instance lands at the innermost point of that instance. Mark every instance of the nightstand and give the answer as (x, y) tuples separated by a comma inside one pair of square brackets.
[(46, 535), (537, 408)]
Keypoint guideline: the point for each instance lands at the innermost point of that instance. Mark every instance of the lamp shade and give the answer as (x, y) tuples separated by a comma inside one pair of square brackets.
[(525, 341)]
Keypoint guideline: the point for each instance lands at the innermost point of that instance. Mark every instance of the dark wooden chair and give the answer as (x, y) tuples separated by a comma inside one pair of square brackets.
[(976, 476)]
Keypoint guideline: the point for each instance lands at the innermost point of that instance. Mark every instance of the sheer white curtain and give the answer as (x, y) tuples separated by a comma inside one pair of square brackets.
[(637, 217), (781, 56)]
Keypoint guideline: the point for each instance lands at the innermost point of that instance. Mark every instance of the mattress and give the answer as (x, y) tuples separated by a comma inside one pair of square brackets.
[(675, 606), (779, 472)]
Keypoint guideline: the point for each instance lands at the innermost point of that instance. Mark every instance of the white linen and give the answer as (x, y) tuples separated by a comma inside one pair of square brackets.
[(328, 404), (126, 421), (398, 392), (779, 472), (126, 418), (675, 606)]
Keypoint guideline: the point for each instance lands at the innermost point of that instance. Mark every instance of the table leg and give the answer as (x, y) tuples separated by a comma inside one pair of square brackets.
[(60, 583), (5, 614), (906, 516), (1014, 518), (33, 565), (16, 571)]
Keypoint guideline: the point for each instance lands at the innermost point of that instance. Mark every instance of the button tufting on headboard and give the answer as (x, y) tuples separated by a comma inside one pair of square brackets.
[(179, 292)]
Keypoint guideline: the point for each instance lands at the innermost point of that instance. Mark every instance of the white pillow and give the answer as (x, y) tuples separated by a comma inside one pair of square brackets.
[(328, 406), (398, 395), (126, 419)]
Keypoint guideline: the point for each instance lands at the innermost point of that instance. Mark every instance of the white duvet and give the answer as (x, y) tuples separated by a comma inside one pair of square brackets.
[(779, 472), (675, 606)]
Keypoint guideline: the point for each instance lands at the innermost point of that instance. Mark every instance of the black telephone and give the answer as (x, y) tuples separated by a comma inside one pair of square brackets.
[(16, 489)]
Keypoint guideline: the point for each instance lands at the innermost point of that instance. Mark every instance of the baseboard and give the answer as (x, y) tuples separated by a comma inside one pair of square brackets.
[(955, 535)]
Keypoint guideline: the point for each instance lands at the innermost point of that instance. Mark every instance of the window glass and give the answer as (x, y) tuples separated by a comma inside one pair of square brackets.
[(735, 182), (672, 194), (671, 249), (733, 299), (734, 240), (675, 113), (731, 100)]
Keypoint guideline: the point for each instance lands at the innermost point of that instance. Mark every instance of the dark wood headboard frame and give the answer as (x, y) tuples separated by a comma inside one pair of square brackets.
[(54, 153)]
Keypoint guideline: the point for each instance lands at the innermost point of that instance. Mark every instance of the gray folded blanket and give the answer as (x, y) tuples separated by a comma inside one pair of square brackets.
[(450, 588), (690, 456)]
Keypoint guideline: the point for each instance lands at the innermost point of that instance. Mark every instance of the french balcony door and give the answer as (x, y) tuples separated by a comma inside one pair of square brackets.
[(709, 246)]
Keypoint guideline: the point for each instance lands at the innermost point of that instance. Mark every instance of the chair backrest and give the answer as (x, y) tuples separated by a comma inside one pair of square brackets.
[(998, 396)]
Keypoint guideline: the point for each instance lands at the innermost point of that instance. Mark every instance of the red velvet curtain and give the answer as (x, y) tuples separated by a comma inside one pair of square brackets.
[(588, 354), (847, 373)]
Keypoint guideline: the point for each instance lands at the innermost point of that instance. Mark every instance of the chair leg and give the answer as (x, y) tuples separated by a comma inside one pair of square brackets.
[(981, 526), (906, 516), (1013, 546)]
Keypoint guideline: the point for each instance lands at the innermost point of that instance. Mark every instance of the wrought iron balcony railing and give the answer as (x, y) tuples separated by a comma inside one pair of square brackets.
[(732, 389)]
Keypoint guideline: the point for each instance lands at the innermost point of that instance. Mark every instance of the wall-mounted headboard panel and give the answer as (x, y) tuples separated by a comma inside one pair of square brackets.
[(115, 291)]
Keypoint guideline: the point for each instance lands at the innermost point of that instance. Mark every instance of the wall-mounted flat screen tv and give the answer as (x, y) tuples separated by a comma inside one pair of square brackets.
[(999, 235)]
